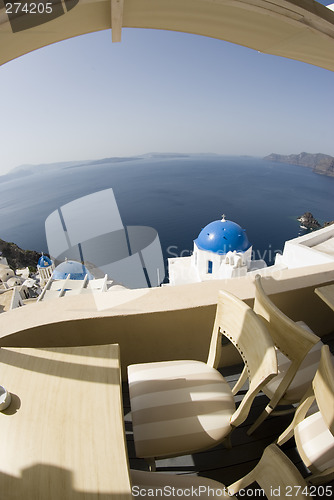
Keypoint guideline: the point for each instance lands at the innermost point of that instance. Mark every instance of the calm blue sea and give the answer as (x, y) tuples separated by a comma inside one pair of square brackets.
[(176, 196)]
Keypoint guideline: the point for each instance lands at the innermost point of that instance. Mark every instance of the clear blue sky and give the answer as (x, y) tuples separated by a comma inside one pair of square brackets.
[(87, 98)]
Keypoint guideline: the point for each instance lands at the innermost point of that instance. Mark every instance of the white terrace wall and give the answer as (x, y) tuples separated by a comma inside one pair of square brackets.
[(164, 323)]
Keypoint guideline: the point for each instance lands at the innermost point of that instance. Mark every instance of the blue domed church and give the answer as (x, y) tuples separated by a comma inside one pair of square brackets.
[(45, 268), (221, 251)]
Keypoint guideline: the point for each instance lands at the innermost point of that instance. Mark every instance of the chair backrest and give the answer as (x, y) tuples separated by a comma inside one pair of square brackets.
[(323, 387), (238, 322), (277, 476), (291, 339)]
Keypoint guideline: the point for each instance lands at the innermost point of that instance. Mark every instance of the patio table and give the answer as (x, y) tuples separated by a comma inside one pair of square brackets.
[(63, 434)]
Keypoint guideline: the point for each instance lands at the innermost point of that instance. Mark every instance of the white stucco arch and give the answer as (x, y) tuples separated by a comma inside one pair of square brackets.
[(296, 29)]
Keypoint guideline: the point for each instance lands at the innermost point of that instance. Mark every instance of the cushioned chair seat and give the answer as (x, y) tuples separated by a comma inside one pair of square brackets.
[(177, 406), (158, 482), (302, 379), (315, 442)]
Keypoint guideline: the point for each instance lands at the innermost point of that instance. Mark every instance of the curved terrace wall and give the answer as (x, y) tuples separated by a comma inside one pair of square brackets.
[(165, 323)]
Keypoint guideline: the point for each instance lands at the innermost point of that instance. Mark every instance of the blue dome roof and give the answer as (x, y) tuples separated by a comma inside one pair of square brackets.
[(44, 261), (77, 271), (222, 236)]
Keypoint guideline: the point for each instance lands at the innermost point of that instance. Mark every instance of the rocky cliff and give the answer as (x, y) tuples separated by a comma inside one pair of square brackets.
[(307, 221), (18, 258), (319, 163)]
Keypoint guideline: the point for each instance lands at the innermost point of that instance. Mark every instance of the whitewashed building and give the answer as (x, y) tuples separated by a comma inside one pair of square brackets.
[(221, 251), (45, 268)]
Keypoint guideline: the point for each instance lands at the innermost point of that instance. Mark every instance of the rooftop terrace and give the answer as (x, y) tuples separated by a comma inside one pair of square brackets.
[(221, 464)]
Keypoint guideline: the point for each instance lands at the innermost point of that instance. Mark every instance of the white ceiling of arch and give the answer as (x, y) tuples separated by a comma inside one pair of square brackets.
[(297, 29)]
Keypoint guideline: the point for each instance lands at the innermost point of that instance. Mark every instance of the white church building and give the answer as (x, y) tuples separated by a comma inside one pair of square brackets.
[(221, 251), (45, 268)]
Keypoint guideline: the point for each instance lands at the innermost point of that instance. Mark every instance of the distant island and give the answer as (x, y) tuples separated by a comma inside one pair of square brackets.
[(307, 221), (319, 163), (31, 169)]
